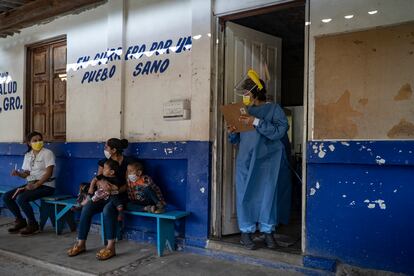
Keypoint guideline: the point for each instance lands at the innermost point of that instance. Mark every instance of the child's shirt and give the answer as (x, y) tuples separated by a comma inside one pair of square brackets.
[(100, 193), (135, 189)]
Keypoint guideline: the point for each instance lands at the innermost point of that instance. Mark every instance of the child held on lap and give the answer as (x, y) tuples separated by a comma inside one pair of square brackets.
[(107, 186), (143, 191)]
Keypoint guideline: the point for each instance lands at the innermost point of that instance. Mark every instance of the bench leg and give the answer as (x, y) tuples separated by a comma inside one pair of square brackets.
[(60, 214), (46, 212), (70, 220), (165, 236)]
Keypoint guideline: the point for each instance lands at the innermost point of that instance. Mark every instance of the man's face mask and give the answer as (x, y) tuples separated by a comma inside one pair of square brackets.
[(37, 145)]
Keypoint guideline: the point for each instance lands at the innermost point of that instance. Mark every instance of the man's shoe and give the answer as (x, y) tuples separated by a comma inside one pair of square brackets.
[(30, 229), (246, 241), (18, 225), (270, 241)]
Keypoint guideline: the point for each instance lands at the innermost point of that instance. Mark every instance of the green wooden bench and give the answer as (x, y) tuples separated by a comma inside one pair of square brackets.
[(165, 221), (165, 227), (57, 209)]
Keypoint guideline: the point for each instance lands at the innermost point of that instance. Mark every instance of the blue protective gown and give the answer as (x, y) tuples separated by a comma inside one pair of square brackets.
[(263, 188)]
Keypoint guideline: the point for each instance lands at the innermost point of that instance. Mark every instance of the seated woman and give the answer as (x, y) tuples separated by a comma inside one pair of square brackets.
[(37, 170), (114, 149)]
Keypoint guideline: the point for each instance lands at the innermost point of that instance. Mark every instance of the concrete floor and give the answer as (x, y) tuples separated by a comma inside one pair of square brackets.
[(45, 254)]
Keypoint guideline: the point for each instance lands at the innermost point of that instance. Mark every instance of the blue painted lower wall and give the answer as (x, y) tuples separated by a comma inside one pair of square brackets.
[(181, 169), (359, 194), (360, 203)]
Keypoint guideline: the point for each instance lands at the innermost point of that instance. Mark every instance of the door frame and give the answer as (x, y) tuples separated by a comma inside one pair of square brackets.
[(217, 84), (27, 99)]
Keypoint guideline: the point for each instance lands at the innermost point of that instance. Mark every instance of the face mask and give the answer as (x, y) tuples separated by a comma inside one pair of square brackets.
[(132, 177), (37, 145), (107, 154), (247, 100)]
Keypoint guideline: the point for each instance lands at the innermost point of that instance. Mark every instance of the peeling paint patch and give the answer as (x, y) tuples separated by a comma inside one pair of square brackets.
[(345, 144), (395, 190), (331, 147), (373, 203), (321, 154), (363, 101), (312, 191), (381, 204), (202, 190), (403, 129), (336, 117), (344, 196), (317, 185), (404, 93), (322, 151), (169, 150), (379, 160), (352, 203)]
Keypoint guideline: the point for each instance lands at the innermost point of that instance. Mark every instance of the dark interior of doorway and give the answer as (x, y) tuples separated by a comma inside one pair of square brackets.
[(288, 24)]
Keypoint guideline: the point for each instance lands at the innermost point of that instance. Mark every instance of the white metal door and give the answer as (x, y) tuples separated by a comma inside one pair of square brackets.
[(245, 49)]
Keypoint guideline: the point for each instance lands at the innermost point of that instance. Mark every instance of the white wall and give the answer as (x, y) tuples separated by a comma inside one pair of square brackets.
[(389, 13), (124, 105), (84, 105), (146, 94)]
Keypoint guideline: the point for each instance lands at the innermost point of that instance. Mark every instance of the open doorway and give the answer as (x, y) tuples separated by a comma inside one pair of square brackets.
[(274, 36)]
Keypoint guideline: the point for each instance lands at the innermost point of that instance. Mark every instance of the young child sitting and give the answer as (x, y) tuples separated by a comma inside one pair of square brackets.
[(107, 186), (143, 191)]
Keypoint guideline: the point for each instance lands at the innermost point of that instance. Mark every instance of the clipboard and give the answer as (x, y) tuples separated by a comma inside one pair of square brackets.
[(232, 112)]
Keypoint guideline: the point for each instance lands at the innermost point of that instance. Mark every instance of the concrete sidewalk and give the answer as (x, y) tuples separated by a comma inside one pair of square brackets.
[(48, 251)]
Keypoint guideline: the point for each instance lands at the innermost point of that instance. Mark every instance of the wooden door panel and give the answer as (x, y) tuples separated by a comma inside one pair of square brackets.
[(59, 58), (59, 123), (47, 87), (59, 91), (58, 95), (39, 122), (39, 93), (40, 61)]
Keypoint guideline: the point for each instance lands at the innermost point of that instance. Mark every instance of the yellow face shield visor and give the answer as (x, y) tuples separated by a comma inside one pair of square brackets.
[(252, 75)]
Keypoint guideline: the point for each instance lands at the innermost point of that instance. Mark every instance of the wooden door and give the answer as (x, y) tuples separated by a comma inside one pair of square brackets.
[(46, 90), (245, 48)]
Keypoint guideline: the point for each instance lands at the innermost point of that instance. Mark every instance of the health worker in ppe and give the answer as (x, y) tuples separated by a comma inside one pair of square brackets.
[(263, 188)]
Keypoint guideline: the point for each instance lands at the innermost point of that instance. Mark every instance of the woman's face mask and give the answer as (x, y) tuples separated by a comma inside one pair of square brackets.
[(37, 146), (132, 177), (107, 154), (247, 100)]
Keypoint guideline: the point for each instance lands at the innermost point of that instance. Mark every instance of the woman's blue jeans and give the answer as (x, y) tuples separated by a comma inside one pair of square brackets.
[(110, 214), (23, 201)]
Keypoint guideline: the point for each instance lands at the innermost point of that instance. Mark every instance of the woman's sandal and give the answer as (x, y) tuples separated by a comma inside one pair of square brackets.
[(105, 254), (76, 250)]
